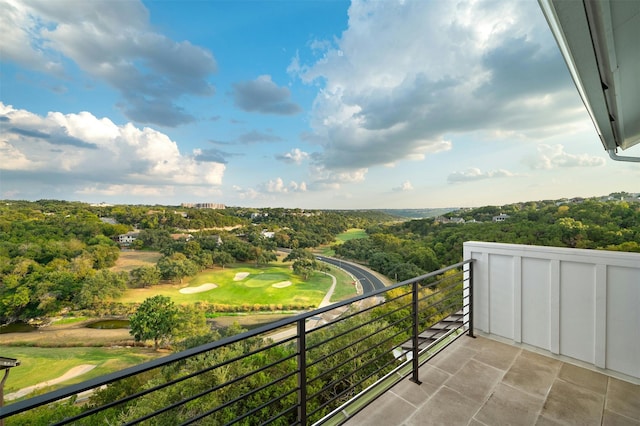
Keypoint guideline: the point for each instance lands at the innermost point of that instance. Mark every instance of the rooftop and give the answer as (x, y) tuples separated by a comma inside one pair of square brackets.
[(480, 381)]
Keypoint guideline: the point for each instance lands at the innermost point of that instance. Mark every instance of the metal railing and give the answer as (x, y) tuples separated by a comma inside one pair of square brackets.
[(297, 371)]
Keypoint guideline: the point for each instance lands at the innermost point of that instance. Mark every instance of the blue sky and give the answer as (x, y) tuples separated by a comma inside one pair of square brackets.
[(312, 104)]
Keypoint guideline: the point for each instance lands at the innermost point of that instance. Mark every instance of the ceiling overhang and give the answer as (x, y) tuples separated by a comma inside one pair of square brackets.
[(600, 42)]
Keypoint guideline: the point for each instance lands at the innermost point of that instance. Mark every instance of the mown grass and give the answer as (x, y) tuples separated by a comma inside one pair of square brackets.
[(69, 320), (352, 234), (257, 288), (42, 364)]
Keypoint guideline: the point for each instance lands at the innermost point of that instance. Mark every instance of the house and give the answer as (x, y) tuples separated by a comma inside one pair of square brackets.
[(127, 239), (501, 217)]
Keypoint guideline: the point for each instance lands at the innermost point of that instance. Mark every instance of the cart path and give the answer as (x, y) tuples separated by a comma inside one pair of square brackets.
[(73, 372)]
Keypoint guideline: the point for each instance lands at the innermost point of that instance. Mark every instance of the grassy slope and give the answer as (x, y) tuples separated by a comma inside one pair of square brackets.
[(42, 364)]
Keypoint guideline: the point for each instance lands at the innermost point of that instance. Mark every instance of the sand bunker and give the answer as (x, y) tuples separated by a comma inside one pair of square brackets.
[(199, 289), (240, 276), (281, 284)]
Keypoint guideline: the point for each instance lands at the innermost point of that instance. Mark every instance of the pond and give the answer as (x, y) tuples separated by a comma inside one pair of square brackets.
[(109, 324), (17, 327)]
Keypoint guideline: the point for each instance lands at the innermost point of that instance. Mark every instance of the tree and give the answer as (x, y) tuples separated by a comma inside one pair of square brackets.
[(144, 276), (154, 319), (222, 258), (176, 267)]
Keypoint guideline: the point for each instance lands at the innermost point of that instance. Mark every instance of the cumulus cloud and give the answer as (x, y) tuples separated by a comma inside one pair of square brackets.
[(113, 42), (295, 156), (278, 186), (404, 187), (405, 75), (554, 156), (264, 96), (473, 174), (324, 178), (84, 153)]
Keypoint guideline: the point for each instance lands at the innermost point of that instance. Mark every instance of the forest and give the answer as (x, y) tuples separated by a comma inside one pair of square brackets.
[(55, 256), (411, 248)]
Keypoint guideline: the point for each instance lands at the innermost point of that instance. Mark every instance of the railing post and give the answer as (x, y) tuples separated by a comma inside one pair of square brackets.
[(302, 372), (471, 299), (416, 331)]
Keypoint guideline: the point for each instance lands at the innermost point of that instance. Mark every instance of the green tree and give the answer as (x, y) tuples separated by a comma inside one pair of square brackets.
[(144, 276), (222, 258), (155, 320)]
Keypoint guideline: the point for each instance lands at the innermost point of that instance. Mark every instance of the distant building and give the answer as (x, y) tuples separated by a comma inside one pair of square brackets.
[(267, 234), (204, 206), (441, 219), (501, 217), (109, 220), (127, 239), (457, 220)]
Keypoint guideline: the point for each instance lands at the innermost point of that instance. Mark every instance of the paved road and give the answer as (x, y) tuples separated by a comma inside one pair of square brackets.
[(367, 280)]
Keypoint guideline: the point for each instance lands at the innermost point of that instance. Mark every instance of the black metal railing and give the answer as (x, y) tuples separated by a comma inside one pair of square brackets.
[(307, 369)]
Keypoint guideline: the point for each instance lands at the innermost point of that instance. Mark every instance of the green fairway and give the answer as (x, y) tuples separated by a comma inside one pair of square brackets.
[(352, 234), (267, 285), (42, 364)]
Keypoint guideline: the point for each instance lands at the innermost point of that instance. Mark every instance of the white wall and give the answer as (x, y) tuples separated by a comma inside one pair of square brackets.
[(584, 304)]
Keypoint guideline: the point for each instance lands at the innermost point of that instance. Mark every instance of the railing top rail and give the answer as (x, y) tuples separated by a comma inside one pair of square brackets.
[(74, 389)]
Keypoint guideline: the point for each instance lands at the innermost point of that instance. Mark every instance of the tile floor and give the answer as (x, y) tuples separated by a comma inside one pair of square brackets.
[(484, 382)]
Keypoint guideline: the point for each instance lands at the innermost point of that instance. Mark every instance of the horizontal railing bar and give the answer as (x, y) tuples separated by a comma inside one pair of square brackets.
[(369, 349), (176, 381), (260, 407), (210, 390), (334, 337), (351, 316), (350, 388), (344, 347), (324, 373), (404, 330)]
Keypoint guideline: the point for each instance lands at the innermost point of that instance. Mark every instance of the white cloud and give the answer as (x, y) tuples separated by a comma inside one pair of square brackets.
[(114, 43), (554, 156), (404, 75), (473, 174), (324, 178), (295, 156), (404, 187), (84, 152), (277, 186)]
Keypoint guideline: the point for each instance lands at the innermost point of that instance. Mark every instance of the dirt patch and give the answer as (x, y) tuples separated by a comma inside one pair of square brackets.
[(73, 372), (241, 276), (70, 335), (131, 259), (199, 289), (281, 284)]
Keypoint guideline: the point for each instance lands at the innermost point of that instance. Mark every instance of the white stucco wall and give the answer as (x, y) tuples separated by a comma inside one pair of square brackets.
[(583, 304)]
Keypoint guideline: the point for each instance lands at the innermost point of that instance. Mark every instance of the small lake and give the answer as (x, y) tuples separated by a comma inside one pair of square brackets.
[(108, 324), (17, 327)]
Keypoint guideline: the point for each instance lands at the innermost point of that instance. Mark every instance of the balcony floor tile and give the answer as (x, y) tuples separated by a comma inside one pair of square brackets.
[(479, 382)]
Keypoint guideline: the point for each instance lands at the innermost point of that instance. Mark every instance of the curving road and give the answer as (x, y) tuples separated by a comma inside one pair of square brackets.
[(367, 280)]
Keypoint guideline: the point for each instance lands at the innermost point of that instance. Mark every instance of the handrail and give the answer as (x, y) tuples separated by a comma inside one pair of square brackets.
[(303, 341)]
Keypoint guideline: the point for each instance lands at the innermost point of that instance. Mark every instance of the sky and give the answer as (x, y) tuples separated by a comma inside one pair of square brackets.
[(312, 104)]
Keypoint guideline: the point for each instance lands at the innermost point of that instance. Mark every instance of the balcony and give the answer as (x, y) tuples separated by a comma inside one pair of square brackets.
[(558, 344)]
